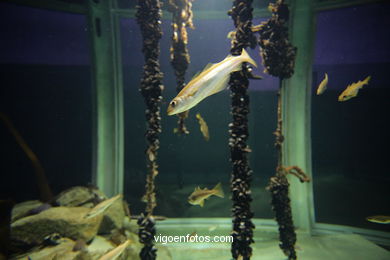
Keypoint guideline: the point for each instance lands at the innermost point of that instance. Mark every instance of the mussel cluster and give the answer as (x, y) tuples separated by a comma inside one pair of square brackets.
[(279, 188), (146, 234), (180, 58), (277, 52), (242, 233), (149, 19)]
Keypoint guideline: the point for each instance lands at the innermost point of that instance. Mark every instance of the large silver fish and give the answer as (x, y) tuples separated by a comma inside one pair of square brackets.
[(211, 80)]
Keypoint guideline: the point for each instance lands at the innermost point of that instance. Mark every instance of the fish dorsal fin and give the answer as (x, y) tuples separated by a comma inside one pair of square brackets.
[(196, 74), (197, 188), (205, 68), (228, 57), (208, 66)]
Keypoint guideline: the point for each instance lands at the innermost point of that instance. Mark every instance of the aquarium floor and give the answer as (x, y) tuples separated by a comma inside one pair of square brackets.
[(335, 247)]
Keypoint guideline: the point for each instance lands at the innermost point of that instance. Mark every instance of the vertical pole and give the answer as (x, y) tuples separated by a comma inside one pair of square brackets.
[(108, 98), (296, 112)]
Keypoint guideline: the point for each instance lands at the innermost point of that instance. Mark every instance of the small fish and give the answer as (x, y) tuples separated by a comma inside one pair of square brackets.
[(203, 127), (53, 239), (212, 228), (353, 89), (211, 80), (157, 218), (380, 219), (102, 206), (199, 195), (117, 251), (193, 234), (322, 87)]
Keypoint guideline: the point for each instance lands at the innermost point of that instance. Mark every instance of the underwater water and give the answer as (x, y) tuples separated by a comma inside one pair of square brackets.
[(184, 162), (46, 93), (46, 90), (348, 138)]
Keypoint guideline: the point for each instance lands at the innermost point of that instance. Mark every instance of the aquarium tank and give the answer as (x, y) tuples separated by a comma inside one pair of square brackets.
[(194, 129)]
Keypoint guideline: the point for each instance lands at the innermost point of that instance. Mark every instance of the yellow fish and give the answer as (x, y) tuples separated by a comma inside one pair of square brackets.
[(353, 89), (199, 195), (211, 80), (380, 219), (203, 127), (116, 252), (322, 87), (102, 206)]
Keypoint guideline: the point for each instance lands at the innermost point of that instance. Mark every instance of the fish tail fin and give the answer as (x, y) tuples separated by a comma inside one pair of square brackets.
[(366, 80), (247, 58), (218, 190)]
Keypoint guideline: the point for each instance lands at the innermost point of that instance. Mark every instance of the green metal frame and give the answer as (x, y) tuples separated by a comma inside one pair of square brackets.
[(108, 128), (296, 98), (296, 112)]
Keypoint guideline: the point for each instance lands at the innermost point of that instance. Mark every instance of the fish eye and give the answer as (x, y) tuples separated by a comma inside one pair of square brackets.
[(173, 103)]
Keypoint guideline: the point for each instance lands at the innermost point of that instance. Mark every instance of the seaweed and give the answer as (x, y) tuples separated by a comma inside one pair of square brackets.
[(242, 233), (149, 19), (180, 58)]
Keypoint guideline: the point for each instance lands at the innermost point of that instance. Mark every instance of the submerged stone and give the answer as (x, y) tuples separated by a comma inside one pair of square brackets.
[(23, 209), (66, 221), (80, 196)]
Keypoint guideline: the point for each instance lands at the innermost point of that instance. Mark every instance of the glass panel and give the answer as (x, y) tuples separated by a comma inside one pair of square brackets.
[(350, 138), (215, 5), (45, 90), (189, 161)]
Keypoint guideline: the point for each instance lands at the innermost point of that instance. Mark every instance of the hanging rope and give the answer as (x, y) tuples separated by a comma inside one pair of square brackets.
[(278, 56), (242, 233), (45, 192), (149, 19), (180, 58)]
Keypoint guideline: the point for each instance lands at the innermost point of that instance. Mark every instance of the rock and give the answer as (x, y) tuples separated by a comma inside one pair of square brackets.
[(21, 210), (135, 246), (118, 236), (66, 221), (99, 246), (113, 217), (63, 251), (5, 224), (80, 196), (130, 226)]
